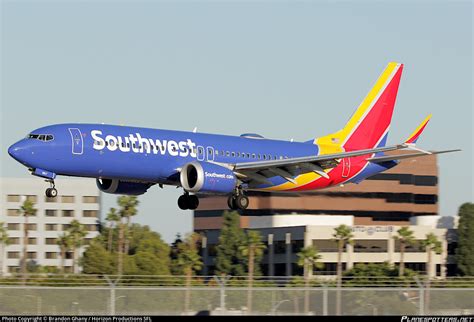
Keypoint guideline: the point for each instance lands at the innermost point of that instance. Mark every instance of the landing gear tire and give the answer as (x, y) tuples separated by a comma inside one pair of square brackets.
[(51, 193), (242, 202), (183, 202), (187, 201), (231, 202), (238, 202), (193, 202)]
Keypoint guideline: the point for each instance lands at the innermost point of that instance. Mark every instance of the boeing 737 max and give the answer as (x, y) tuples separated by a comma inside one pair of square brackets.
[(129, 160)]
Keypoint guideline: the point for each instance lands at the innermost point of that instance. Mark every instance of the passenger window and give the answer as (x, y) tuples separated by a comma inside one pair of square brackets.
[(233, 154), (217, 152), (227, 153), (253, 155), (248, 155), (264, 157)]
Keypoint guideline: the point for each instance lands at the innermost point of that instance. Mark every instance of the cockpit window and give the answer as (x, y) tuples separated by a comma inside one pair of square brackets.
[(40, 137)]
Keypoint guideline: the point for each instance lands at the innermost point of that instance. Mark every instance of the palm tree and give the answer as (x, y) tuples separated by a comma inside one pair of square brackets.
[(4, 241), (128, 208), (405, 237), (27, 209), (64, 242), (308, 258), (343, 236), (253, 248), (113, 218), (77, 233), (431, 243), (190, 261)]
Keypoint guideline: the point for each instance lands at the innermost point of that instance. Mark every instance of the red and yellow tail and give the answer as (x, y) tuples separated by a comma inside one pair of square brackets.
[(368, 126)]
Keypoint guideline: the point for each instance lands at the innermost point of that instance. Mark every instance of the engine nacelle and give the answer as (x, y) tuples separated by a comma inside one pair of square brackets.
[(120, 187), (207, 177)]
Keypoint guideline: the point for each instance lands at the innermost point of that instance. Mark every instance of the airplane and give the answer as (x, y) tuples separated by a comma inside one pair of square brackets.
[(129, 160)]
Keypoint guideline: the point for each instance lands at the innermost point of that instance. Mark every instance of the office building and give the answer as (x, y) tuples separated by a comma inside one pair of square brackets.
[(77, 199)]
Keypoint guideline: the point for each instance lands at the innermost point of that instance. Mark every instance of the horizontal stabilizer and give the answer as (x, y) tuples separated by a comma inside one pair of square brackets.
[(407, 156)]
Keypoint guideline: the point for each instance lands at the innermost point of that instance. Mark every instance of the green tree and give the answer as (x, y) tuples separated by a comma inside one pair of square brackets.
[(149, 252), (27, 209), (65, 243), (128, 209), (252, 248), (308, 258), (113, 218), (189, 260), (4, 241), (405, 238), (229, 259), (174, 268), (77, 233), (97, 260), (431, 244), (465, 248), (342, 236)]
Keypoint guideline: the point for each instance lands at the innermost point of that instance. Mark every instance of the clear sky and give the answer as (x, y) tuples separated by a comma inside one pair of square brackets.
[(282, 69)]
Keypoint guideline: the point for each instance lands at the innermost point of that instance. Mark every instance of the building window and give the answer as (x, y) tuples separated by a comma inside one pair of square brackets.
[(90, 199), (13, 198), (326, 246), (90, 213), (13, 269), (32, 241), (370, 246), (66, 227), (13, 226), (51, 255), (68, 213), (50, 227), (90, 227), (13, 255), (14, 240), (297, 246), (51, 241), (13, 212), (31, 226), (46, 199), (415, 248), (31, 255), (51, 213), (279, 247), (67, 199)]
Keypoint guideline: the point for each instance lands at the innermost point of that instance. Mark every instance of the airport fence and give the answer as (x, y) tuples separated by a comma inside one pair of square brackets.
[(152, 295)]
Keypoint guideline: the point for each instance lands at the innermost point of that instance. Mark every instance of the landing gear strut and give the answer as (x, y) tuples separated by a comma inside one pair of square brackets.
[(238, 200), (187, 201), (51, 192)]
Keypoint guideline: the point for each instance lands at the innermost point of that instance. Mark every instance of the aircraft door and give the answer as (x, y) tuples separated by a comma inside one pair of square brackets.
[(346, 167), (200, 153), (210, 153), (77, 141)]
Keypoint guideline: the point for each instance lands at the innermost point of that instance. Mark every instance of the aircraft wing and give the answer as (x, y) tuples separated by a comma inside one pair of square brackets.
[(260, 171), (406, 156)]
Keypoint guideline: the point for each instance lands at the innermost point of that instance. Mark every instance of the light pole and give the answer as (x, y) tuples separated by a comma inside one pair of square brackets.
[(38, 303)]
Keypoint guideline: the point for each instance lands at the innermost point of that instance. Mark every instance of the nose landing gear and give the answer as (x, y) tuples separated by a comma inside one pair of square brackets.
[(187, 201), (51, 192)]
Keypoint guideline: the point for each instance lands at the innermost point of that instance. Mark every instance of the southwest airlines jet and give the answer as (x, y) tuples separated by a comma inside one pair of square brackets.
[(129, 160)]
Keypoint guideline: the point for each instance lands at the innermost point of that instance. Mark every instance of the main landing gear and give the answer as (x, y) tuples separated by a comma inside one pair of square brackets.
[(188, 201), (238, 200), (51, 192)]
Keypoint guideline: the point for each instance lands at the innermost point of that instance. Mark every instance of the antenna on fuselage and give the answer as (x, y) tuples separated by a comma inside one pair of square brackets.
[(195, 129)]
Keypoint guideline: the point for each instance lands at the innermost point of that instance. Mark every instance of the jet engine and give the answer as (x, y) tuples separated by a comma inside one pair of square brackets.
[(121, 187), (205, 177)]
